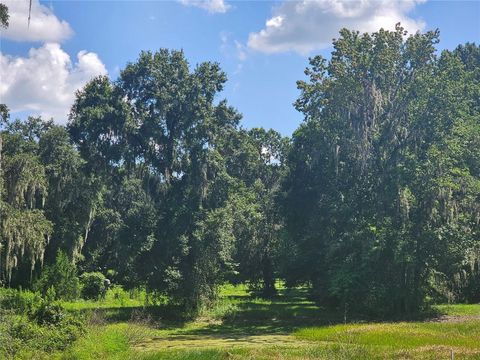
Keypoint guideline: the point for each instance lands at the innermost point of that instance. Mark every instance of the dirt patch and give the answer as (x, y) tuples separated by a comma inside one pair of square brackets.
[(196, 342), (456, 318)]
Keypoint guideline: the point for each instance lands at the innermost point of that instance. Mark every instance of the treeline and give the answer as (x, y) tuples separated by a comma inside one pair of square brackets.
[(374, 203)]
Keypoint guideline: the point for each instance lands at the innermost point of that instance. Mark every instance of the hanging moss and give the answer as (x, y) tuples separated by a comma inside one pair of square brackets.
[(25, 235), (24, 229), (25, 181)]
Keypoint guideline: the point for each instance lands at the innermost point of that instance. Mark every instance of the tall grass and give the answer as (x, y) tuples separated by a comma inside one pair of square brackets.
[(116, 297), (399, 335)]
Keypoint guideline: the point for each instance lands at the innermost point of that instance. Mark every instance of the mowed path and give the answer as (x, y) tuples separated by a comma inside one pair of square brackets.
[(178, 342), (230, 341), (256, 323), (259, 324)]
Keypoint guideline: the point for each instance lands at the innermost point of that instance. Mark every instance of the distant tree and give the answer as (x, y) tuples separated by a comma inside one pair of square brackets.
[(4, 16), (258, 162)]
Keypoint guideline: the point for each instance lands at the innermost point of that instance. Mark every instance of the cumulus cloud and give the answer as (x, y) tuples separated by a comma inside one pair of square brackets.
[(44, 82), (303, 26), (44, 25), (212, 6)]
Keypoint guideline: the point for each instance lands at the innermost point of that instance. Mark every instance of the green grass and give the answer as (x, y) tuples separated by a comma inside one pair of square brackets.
[(101, 342), (241, 326), (459, 309), (115, 298), (398, 335)]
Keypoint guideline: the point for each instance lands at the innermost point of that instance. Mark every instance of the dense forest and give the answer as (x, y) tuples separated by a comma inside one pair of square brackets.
[(373, 204)]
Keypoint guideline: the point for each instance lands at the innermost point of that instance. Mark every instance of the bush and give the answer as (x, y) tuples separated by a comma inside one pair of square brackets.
[(32, 327), (62, 276), (49, 313), (20, 301), (93, 285)]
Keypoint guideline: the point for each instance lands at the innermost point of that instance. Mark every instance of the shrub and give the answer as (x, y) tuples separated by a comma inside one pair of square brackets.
[(49, 313), (35, 328), (20, 301), (62, 276), (93, 285)]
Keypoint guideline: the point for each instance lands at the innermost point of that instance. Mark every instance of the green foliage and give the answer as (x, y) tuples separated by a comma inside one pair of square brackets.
[(153, 137), (49, 311), (21, 301), (24, 226), (32, 327), (102, 343), (258, 226), (60, 276), (46, 191), (382, 184), (122, 232), (373, 203), (93, 285), (72, 196), (24, 230)]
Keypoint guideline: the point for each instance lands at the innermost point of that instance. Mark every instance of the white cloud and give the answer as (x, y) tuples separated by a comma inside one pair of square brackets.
[(241, 51), (44, 83), (44, 25), (232, 48), (212, 6), (303, 26)]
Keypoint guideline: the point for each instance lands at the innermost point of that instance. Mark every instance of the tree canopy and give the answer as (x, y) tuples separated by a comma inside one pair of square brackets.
[(373, 204)]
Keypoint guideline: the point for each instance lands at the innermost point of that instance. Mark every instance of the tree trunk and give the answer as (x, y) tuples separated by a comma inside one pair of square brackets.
[(269, 289)]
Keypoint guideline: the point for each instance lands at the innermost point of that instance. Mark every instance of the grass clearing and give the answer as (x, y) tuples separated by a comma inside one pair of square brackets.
[(240, 326)]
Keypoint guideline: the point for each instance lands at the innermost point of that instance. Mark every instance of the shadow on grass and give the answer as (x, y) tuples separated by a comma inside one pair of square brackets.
[(290, 310), (166, 316), (287, 311)]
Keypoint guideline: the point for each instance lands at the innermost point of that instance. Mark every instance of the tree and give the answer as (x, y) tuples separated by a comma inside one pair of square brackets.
[(24, 229), (4, 16), (40, 160), (121, 232), (455, 168), (72, 198), (364, 203), (257, 159), (61, 277), (158, 123)]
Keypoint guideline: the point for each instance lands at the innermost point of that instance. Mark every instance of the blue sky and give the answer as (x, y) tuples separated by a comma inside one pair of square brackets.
[(263, 46)]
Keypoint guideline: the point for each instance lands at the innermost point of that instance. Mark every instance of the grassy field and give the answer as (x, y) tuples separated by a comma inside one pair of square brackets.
[(288, 327)]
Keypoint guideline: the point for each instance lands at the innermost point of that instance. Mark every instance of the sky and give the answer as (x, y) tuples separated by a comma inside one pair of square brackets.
[(263, 46)]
